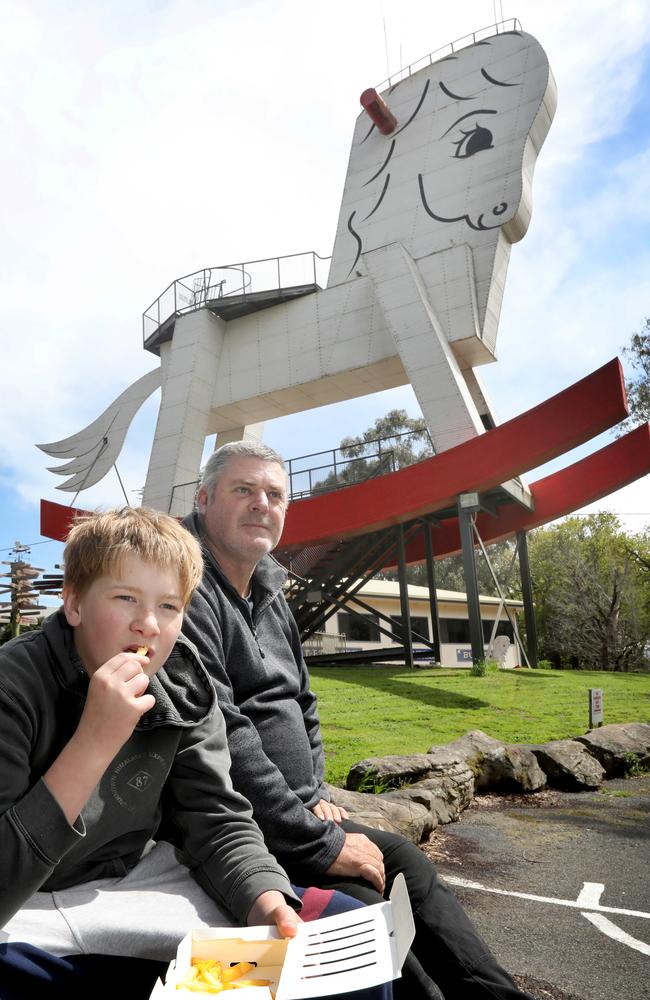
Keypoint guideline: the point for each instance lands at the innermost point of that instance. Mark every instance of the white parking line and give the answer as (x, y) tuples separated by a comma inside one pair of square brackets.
[(589, 895), (612, 931), (587, 899)]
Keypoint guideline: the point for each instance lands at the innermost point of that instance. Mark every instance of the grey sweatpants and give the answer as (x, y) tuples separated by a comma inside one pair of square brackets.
[(142, 915)]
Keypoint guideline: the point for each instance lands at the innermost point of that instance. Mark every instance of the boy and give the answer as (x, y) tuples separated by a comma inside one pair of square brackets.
[(109, 727)]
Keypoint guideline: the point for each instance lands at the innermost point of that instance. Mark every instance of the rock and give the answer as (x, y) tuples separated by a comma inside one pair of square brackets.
[(444, 795), (460, 774), (389, 770), (495, 764), (619, 746), (424, 790), (409, 818), (568, 764)]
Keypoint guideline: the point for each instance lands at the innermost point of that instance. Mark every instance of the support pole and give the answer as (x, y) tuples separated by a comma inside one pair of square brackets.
[(404, 596), (471, 580), (433, 597), (527, 594)]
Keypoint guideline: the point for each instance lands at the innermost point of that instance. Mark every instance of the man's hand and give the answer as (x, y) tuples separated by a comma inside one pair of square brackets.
[(327, 810), (272, 908), (360, 857)]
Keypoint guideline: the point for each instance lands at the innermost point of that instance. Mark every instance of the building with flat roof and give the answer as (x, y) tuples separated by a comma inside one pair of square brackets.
[(349, 629)]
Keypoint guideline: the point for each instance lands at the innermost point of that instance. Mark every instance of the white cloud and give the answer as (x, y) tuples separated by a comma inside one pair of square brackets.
[(142, 143)]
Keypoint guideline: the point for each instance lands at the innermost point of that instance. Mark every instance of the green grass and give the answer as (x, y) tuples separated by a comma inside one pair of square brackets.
[(373, 711)]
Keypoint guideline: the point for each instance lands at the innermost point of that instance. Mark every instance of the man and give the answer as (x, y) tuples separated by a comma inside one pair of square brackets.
[(249, 642)]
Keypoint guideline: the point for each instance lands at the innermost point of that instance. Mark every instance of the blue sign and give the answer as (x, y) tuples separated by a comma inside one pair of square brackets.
[(463, 656)]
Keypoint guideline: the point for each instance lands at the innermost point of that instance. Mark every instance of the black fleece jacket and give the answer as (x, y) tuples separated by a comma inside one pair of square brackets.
[(173, 768), (271, 719)]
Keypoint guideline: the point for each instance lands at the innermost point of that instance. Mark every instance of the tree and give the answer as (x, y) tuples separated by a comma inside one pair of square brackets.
[(6, 632), (393, 441), (638, 387), (451, 576), (591, 593)]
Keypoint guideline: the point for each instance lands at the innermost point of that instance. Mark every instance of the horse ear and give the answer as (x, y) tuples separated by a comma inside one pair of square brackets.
[(378, 111)]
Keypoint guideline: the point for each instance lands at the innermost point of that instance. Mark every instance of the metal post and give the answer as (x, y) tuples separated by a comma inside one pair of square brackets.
[(527, 594), (471, 582), (433, 597), (14, 615), (404, 596)]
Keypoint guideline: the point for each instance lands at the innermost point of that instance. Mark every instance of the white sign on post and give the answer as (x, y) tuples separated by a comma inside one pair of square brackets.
[(595, 707)]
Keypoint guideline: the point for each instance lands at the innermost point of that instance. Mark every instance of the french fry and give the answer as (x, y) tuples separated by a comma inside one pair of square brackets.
[(142, 650), (212, 978), (240, 983), (209, 976), (235, 971)]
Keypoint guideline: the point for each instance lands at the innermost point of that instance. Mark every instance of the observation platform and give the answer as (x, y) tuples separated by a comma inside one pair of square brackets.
[(233, 290)]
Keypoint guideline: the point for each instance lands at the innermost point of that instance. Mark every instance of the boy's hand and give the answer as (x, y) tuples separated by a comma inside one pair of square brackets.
[(116, 701), (272, 908)]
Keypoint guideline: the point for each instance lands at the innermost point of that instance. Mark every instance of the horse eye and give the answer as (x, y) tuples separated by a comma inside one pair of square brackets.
[(474, 141)]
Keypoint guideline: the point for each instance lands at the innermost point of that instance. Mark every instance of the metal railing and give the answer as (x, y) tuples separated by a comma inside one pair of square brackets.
[(511, 24), (333, 470), (196, 290), (336, 474), (185, 494), (338, 467), (318, 479), (324, 642)]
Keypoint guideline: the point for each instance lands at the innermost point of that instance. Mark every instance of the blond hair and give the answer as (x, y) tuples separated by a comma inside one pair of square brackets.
[(98, 543)]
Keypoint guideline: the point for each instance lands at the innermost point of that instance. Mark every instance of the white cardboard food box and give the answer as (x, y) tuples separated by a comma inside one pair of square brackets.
[(333, 955)]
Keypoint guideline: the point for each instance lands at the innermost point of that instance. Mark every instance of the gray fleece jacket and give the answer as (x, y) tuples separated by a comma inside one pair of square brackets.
[(273, 729), (174, 769)]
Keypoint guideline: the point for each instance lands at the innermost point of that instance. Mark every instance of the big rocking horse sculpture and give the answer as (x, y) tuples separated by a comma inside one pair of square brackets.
[(438, 187)]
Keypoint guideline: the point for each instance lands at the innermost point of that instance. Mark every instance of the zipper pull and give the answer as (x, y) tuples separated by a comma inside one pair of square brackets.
[(254, 631)]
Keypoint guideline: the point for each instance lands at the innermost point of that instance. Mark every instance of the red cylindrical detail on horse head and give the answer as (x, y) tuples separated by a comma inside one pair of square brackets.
[(379, 111)]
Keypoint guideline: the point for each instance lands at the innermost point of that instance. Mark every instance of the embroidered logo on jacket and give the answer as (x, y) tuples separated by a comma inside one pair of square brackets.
[(140, 780), (137, 780)]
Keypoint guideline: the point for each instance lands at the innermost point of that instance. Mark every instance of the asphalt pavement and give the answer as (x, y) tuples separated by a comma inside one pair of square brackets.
[(558, 884)]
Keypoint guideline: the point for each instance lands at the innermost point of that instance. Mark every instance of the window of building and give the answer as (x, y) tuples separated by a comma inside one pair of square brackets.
[(454, 630), (503, 628), (418, 624), (359, 628)]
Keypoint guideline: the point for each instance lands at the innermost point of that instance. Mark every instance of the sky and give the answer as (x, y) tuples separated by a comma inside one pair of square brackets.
[(144, 141)]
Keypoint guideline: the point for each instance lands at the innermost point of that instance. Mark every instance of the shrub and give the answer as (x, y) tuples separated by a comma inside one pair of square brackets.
[(633, 765), (374, 784), (483, 667)]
